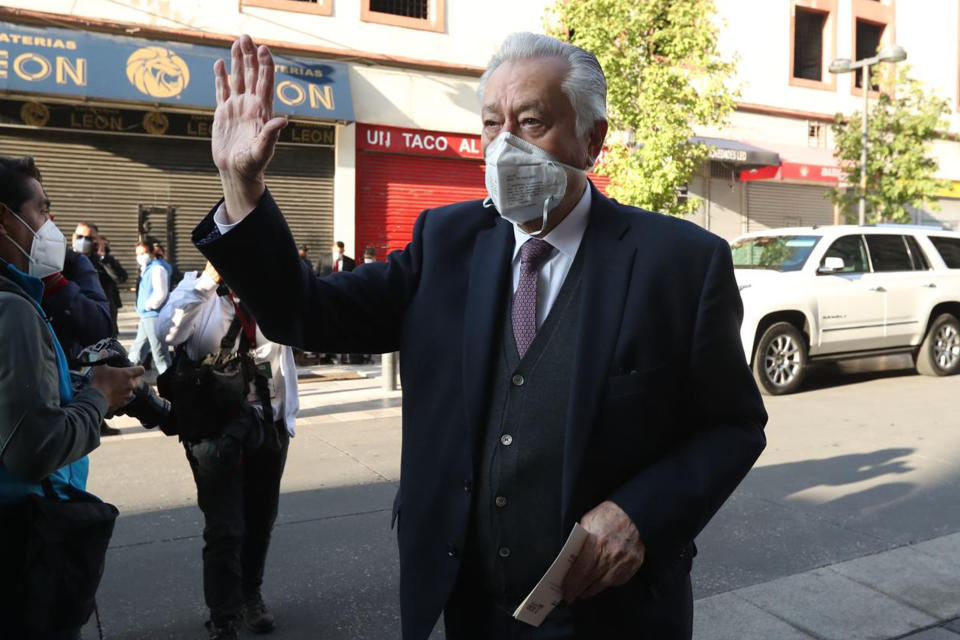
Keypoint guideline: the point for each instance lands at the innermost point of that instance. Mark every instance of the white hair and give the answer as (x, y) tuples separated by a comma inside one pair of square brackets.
[(585, 84)]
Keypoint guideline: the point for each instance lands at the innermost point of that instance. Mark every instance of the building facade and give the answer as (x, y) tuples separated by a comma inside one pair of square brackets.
[(115, 99), (788, 100)]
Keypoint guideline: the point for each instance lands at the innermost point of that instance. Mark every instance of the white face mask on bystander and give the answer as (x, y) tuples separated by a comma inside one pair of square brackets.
[(48, 250), (524, 182)]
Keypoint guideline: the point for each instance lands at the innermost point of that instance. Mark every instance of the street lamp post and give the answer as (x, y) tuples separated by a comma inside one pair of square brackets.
[(891, 54)]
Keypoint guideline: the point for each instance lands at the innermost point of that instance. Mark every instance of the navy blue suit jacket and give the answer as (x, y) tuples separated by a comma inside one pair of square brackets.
[(664, 417)]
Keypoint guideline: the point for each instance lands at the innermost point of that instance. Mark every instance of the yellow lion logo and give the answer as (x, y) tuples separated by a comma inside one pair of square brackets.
[(157, 72)]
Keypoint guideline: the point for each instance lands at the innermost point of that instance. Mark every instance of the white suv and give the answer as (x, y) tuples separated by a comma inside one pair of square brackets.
[(847, 292)]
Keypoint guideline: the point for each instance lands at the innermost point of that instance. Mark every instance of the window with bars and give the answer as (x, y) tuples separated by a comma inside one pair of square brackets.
[(418, 9), (808, 28), (427, 15)]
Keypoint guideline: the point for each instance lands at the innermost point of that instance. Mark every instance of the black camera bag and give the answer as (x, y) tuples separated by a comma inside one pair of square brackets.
[(53, 558), (206, 394)]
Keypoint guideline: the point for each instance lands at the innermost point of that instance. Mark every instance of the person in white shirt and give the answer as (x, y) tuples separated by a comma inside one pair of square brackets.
[(237, 472)]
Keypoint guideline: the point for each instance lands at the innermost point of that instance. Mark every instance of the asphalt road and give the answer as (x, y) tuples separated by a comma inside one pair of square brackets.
[(856, 463)]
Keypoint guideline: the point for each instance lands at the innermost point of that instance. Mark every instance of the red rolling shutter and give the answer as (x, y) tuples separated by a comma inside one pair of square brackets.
[(393, 189)]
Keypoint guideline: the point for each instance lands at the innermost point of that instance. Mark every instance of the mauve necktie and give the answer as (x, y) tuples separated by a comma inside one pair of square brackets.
[(533, 253)]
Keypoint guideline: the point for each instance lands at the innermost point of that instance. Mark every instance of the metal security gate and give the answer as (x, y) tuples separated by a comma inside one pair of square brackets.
[(106, 179), (787, 205), (392, 190)]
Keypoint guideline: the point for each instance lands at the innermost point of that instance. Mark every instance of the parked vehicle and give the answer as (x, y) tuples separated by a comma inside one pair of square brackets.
[(845, 292)]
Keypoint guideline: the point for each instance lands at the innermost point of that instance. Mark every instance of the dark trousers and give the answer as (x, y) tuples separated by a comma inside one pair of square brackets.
[(471, 614), (238, 490), (17, 633)]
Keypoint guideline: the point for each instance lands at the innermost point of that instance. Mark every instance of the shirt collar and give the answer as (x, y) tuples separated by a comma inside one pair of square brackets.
[(566, 236)]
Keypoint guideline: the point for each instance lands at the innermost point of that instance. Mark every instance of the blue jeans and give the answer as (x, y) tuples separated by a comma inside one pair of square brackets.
[(147, 332)]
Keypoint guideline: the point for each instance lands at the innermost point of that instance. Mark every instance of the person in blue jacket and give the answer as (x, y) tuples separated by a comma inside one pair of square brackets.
[(152, 293), (46, 430)]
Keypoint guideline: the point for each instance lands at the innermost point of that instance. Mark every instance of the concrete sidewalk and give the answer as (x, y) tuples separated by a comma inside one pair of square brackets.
[(908, 592)]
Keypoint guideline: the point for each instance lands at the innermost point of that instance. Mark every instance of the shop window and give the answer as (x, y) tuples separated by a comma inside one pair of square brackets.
[(808, 37), (869, 35), (412, 14), (316, 7)]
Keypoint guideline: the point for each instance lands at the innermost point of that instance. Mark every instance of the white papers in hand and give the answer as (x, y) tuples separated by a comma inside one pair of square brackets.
[(549, 593)]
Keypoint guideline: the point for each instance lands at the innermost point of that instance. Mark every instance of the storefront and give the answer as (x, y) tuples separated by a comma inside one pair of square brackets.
[(401, 172), (120, 128), (794, 193)]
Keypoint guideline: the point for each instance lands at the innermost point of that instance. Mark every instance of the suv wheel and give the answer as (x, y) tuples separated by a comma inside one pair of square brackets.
[(939, 354), (780, 361)]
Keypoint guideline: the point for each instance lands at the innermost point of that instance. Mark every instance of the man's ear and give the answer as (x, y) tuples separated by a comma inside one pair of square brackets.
[(5, 219), (595, 138)]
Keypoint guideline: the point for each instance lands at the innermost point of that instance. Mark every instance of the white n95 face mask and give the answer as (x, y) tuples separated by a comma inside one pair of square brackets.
[(48, 250), (524, 182)]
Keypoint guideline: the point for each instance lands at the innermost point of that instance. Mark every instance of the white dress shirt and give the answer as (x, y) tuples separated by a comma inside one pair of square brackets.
[(565, 239), (197, 316)]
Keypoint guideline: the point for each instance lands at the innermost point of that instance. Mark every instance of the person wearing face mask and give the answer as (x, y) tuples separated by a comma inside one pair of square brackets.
[(369, 255), (565, 359), (86, 243), (46, 429), (153, 288), (237, 468)]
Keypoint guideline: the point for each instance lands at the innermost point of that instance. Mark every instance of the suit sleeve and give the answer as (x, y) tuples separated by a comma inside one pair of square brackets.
[(346, 312), (725, 419)]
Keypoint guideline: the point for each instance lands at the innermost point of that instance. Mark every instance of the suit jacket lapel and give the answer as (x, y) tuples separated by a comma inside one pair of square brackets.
[(487, 293), (607, 266)]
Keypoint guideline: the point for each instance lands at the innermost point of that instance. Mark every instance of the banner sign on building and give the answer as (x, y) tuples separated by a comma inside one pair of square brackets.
[(418, 142), (148, 122), (67, 62)]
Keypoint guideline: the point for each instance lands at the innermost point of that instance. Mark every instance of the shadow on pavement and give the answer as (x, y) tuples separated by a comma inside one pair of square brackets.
[(332, 572), (793, 517), (825, 375)]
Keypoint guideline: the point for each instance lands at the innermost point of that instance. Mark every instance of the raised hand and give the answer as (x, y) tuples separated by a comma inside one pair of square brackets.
[(244, 130)]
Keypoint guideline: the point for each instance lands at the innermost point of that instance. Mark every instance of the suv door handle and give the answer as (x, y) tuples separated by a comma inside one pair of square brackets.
[(930, 285), (878, 289)]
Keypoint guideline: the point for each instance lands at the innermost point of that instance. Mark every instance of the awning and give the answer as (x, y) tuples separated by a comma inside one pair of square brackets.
[(798, 163), (740, 154), (68, 62)]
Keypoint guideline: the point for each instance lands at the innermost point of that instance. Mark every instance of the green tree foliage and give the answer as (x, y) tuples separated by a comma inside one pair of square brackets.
[(902, 123), (665, 76)]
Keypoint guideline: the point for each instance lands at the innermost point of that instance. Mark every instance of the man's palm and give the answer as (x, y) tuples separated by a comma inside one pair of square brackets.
[(244, 130)]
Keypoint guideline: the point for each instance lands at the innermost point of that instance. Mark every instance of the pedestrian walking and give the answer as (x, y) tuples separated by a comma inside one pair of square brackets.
[(153, 287)]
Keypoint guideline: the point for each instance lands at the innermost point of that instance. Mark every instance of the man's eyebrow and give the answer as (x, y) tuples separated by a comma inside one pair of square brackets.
[(531, 105)]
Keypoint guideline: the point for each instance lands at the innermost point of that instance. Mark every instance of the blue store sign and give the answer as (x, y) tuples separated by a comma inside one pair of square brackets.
[(67, 62)]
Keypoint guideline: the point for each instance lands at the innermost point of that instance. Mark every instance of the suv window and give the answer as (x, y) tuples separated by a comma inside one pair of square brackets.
[(916, 254), (854, 254), (889, 253), (949, 249)]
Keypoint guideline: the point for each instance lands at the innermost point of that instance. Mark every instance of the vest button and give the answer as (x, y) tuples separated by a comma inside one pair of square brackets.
[(504, 552), (500, 501), (452, 550), (506, 439), (517, 380), (467, 486)]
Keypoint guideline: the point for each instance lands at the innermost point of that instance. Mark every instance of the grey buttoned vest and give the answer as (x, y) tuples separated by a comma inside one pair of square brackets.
[(515, 527)]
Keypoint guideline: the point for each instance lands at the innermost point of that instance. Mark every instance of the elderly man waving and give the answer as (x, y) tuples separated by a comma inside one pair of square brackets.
[(565, 358)]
